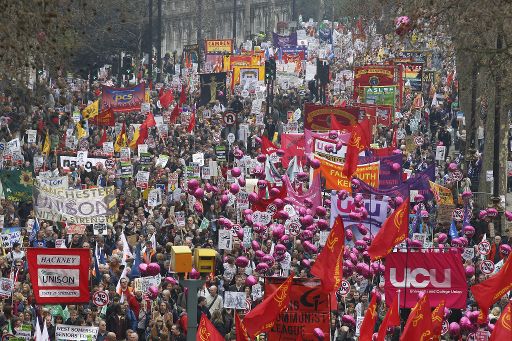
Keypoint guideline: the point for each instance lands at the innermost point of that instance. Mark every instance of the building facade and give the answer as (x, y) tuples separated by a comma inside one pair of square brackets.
[(180, 20)]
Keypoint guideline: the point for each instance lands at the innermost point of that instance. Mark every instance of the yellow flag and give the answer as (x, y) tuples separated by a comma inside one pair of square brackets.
[(136, 134), (47, 144), (92, 110), (147, 96), (80, 131), (121, 139)]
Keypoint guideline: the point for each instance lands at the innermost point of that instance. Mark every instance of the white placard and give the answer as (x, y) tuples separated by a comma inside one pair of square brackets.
[(13, 145), (31, 136), (323, 237), (440, 153), (75, 333), (142, 179), (225, 240), (162, 160), (359, 323), (180, 218), (469, 253), (198, 158), (6, 286), (206, 173), (142, 148), (154, 197), (108, 147), (263, 218), (234, 300), (125, 154)]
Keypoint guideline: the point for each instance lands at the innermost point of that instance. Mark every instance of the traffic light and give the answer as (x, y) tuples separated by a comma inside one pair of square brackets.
[(127, 68), (270, 69)]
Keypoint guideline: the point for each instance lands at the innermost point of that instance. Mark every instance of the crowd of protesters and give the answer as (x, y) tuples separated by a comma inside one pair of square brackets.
[(130, 315)]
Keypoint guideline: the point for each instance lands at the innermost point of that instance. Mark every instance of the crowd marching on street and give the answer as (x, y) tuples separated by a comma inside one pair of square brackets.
[(316, 186)]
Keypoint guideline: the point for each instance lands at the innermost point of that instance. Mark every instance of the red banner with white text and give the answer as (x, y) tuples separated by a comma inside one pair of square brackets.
[(440, 275), (59, 275), (309, 308)]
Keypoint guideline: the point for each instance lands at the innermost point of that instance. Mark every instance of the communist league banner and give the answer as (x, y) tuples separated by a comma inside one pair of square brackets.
[(309, 308), (440, 275), (59, 275), (218, 46), (317, 116), (335, 180), (123, 99)]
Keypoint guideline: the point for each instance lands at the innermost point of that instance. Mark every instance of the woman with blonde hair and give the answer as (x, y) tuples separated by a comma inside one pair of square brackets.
[(159, 331)]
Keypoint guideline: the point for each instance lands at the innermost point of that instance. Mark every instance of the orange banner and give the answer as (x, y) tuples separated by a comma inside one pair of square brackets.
[(219, 46), (334, 178)]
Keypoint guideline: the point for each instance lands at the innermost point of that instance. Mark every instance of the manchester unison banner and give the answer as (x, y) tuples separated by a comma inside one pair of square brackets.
[(88, 206)]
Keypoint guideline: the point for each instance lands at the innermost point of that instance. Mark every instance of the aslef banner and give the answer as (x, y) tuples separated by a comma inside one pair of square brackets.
[(59, 275), (440, 275), (88, 206)]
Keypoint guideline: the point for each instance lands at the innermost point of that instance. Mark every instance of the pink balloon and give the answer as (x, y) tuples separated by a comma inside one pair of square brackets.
[(198, 207), (259, 254), (349, 235), (322, 224), (396, 167), (241, 182), (192, 184), (505, 249), (171, 280), (280, 249), (153, 292), (262, 184), (343, 194), (253, 197), (234, 188), (194, 274), (284, 239), (143, 268), (454, 329), (262, 267), (315, 164), (305, 263), (319, 333), (240, 234), (250, 280), (333, 134), (255, 245), (274, 192), (362, 229), (224, 199), (348, 319), (466, 194), (279, 203), (470, 271), (153, 269), (261, 158), (310, 247), (508, 215), (280, 152), (199, 193), (236, 172), (320, 211), (469, 231), (268, 259), (278, 231), (239, 154), (442, 237), (242, 261)]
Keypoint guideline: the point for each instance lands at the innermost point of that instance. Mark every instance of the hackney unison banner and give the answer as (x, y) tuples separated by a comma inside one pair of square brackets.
[(317, 116), (440, 275), (59, 275), (87, 206), (123, 99), (309, 308)]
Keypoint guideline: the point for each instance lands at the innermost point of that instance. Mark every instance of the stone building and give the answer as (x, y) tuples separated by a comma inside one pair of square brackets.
[(180, 17)]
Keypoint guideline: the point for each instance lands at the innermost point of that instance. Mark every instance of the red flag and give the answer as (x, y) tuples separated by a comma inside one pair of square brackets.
[(166, 99), (335, 125), (503, 328), (359, 141), (370, 317), (329, 263), (490, 291), (394, 142), (392, 319), (267, 147), (263, 317), (206, 331), (419, 323), (437, 320), (104, 118), (394, 230), (150, 120), (183, 95), (103, 138), (175, 114), (241, 331), (192, 122)]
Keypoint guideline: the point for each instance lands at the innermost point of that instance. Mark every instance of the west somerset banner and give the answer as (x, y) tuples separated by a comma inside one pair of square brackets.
[(59, 275), (309, 308), (123, 99), (88, 206), (440, 275)]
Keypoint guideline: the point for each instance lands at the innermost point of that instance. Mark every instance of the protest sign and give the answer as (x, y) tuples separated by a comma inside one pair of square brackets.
[(59, 275), (225, 240), (31, 136), (234, 300), (72, 161), (6, 286), (154, 197), (180, 218), (10, 235), (142, 179), (55, 182), (108, 147), (75, 333), (142, 284)]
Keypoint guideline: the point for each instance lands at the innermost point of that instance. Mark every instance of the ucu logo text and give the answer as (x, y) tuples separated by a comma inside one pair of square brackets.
[(420, 278)]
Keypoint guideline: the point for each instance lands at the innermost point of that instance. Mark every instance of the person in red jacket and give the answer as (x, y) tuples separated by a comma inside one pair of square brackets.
[(495, 256)]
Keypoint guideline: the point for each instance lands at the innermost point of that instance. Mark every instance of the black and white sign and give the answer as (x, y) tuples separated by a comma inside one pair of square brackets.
[(234, 300), (229, 118), (484, 247), (100, 298), (487, 267)]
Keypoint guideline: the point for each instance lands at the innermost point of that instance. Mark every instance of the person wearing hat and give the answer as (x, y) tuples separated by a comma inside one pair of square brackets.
[(16, 253)]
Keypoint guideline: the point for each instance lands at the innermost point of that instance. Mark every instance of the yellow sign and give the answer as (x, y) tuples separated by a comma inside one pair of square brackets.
[(219, 46)]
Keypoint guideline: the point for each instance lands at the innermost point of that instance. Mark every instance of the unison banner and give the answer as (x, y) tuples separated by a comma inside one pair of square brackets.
[(310, 139), (440, 275), (59, 275), (88, 206), (335, 179), (309, 308), (376, 206), (123, 99)]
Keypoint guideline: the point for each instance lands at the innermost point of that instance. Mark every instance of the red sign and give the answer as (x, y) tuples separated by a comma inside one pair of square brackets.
[(318, 117), (373, 75), (440, 275), (293, 145), (59, 275), (309, 308), (378, 114)]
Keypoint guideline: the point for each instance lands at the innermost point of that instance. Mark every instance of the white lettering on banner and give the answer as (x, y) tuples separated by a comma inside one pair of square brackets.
[(412, 278), (56, 182), (58, 277), (58, 260), (75, 333), (59, 293)]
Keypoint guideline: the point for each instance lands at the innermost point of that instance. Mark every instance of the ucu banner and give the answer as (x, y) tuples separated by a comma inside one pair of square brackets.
[(440, 275)]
